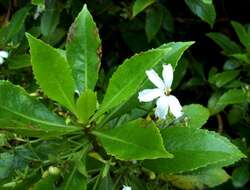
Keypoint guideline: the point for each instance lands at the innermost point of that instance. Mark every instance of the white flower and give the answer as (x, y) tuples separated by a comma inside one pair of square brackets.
[(165, 101), (126, 187), (3, 54)]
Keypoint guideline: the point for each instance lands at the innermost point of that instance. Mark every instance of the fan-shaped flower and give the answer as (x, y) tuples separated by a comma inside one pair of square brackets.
[(165, 102)]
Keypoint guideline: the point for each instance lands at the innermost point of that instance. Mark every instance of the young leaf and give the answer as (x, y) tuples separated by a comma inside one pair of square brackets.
[(135, 140), (204, 10), (193, 149), (197, 115), (86, 105), (50, 18), (233, 96), (154, 18), (140, 5), (52, 72), (23, 114), (242, 34), (83, 50), (16, 23), (199, 179), (228, 46), (128, 78), (176, 51), (221, 79)]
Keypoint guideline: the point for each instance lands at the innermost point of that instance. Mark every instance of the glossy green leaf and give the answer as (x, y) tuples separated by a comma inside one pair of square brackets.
[(233, 96), (83, 50), (50, 18), (52, 72), (199, 179), (197, 115), (204, 10), (154, 19), (23, 114), (221, 79), (135, 140), (242, 34), (176, 51), (86, 105), (16, 23), (192, 149), (228, 46), (133, 71), (140, 5)]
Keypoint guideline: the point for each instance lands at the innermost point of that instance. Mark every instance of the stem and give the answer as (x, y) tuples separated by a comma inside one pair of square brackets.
[(220, 123)]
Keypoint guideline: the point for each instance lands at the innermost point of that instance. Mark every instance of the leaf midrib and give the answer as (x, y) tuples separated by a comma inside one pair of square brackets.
[(33, 119), (124, 142), (105, 105)]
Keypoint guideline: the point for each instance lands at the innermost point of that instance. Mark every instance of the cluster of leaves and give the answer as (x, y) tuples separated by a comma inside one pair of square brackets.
[(72, 123)]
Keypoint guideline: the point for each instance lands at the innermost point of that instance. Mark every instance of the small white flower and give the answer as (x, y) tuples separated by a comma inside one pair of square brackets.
[(3, 54), (165, 101), (126, 187)]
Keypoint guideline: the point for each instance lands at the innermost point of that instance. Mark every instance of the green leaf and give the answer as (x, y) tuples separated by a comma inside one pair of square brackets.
[(204, 10), (23, 114), (154, 19), (38, 2), (74, 180), (19, 61), (50, 18), (52, 72), (197, 115), (86, 105), (241, 176), (233, 96), (83, 50), (242, 34), (16, 23), (174, 54), (199, 179), (192, 149), (228, 46), (45, 183), (135, 140), (213, 105), (132, 69), (221, 79), (140, 5), (6, 162)]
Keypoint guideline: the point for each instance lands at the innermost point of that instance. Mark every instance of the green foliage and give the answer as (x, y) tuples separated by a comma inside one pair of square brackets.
[(48, 65), (203, 9), (128, 142), (197, 115), (54, 134), (193, 149), (83, 51)]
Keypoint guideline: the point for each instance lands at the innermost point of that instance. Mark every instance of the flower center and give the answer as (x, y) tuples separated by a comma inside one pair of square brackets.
[(167, 91)]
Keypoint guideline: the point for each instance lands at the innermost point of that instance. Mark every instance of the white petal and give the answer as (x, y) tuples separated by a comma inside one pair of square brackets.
[(155, 79), (162, 107), (148, 95), (175, 106), (126, 187), (4, 54), (167, 74), (1, 60)]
